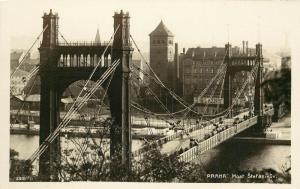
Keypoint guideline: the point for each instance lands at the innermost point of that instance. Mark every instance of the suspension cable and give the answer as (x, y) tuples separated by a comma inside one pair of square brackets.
[(157, 99), (26, 54), (254, 70), (26, 95), (99, 62), (176, 97), (73, 108), (222, 77)]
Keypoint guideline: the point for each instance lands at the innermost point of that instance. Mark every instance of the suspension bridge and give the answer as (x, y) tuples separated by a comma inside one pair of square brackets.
[(109, 65)]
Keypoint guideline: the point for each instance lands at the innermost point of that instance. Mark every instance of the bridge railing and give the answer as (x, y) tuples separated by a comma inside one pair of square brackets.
[(216, 139), (83, 43), (188, 129)]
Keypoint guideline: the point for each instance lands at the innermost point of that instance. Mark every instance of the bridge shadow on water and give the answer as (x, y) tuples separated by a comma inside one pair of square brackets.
[(231, 157)]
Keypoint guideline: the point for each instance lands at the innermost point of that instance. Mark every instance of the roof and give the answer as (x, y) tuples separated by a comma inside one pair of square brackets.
[(68, 100), (161, 30), (205, 52), (97, 38), (199, 53), (29, 98), (33, 85)]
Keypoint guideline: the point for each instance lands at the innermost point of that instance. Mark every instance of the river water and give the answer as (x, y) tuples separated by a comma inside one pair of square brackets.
[(225, 157)]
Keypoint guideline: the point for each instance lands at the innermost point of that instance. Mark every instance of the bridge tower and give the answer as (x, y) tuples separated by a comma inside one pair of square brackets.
[(57, 72), (228, 79), (120, 90), (49, 101), (244, 63), (258, 94)]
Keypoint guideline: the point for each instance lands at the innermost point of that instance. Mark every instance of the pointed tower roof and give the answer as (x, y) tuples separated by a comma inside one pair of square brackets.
[(161, 30), (97, 38)]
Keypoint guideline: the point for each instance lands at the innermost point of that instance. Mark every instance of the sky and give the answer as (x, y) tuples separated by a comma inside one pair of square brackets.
[(194, 23)]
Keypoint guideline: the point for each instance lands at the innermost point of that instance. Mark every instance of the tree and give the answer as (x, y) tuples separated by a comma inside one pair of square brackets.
[(85, 158), (157, 167), (20, 170), (277, 87)]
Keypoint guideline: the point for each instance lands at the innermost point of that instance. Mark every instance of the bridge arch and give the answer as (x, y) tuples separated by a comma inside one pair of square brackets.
[(58, 70)]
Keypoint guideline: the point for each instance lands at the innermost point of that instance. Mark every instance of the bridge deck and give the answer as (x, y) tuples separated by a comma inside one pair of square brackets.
[(172, 143), (218, 138)]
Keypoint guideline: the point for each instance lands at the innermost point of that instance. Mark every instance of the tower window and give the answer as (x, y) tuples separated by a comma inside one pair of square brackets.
[(170, 42)]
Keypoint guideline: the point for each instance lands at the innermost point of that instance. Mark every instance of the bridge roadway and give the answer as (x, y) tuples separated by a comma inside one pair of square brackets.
[(181, 139), (220, 137)]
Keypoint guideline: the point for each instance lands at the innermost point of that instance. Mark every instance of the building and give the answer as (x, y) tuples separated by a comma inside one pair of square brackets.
[(198, 66), (162, 56), (165, 63), (18, 56), (18, 82)]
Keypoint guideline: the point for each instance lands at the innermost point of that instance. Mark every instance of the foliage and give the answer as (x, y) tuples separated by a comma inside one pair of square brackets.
[(19, 169), (87, 158), (157, 167), (277, 87)]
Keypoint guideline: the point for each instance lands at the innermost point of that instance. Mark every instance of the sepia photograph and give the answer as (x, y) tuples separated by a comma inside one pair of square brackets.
[(149, 91)]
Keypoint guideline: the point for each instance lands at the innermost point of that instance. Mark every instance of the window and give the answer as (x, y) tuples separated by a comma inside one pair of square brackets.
[(212, 70), (200, 70), (170, 42), (154, 41), (207, 70), (188, 70), (158, 52)]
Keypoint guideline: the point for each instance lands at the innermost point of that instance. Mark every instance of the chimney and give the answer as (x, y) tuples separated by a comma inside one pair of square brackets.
[(247, 48), (176, 60), (243, 47), (183, 50), (176, 69)]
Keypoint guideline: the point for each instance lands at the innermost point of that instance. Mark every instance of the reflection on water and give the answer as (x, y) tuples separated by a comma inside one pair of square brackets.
[(225, 157), (26, 145), (244, 156)]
